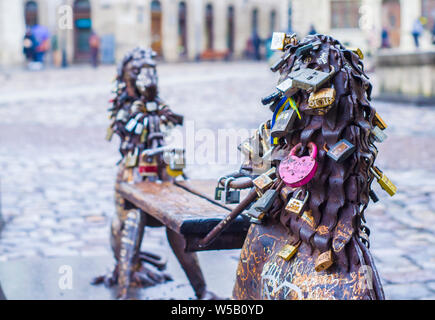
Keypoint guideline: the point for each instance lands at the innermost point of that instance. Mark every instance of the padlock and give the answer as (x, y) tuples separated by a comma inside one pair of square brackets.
[(109, 133), (280, 40), (131, 124), (259, 209), (298, 171), (139, 128), (287, 87), (383, 181), (341, 151), (378, 135), (324, 261), (138, 106), (122, 115), (278, 64), (271, 98), (144, 133), (147, 167), (320, 102), (379, 122), (310, 79), (264, 181), (308, 218), (296, 205), (284, 123), (288, 251), (177, 160), (364, 237), (152, 106), (218, 191), (373, 196), (231, 196), (304, 50), (132, 158), (358, 52)]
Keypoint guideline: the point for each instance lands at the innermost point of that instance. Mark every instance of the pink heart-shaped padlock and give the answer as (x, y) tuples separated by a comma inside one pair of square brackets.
[(298, 171)]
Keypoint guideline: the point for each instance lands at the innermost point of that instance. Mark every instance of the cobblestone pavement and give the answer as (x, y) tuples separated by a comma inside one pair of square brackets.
[(57, 171)]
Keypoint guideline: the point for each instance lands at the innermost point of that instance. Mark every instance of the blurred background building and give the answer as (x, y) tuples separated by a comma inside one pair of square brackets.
[(189, 29)]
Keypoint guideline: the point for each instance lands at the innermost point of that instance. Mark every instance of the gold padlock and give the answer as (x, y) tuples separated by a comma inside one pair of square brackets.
[(307, 216), (378, 121), (288, 251), (264, 181), (295, 205), (383, 181), (324, 261), (321, 98), (358, 52), (109, 133), (132, 158)]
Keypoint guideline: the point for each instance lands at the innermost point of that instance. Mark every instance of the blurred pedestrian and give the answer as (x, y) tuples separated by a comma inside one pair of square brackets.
[(29, 46), (385, 39), (256, 43), (433, 34), (94, 44), (417, 30), (312, 30), (42, 37)]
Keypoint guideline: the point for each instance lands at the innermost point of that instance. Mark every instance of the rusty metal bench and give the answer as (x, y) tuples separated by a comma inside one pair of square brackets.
[(187, 210)]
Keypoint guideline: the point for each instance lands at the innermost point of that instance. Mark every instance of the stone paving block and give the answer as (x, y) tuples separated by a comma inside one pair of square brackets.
[(406, 291)]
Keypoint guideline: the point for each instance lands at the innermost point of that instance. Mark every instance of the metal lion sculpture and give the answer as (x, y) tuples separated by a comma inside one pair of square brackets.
[(141, 120), (308, 239)]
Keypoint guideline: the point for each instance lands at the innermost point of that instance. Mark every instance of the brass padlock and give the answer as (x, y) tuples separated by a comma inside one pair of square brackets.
[(284, 123), (295, 205), (378, 135), (144, 133), (307, 216), (341, 150), (109, 133), (132, 158), (322, 98), (358, 52), (264, 181), (281, 39), (288, 251), (379, 122), (383, 181), (324, 261)]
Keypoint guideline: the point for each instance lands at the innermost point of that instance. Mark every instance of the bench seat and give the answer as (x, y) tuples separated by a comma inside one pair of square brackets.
[(188, 213)]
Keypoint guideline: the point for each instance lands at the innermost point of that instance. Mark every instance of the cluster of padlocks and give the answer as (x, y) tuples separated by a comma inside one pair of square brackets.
[(282, 158), (142, 120)]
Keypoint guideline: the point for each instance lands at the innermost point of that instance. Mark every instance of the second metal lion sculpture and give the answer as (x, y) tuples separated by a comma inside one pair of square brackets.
[(141, 119)]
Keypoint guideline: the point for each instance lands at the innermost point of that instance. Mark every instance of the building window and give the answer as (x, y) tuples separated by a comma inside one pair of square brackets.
[(182, 29), (345, 13), (31, 13), (230, 29), (273, 22), (209, 26), (254, 20), (428, 11), (156, 27)]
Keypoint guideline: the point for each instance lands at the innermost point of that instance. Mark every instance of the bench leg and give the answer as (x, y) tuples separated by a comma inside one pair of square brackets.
[(190, 264)]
